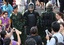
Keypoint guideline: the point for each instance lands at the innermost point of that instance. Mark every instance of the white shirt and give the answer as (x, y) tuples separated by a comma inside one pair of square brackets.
[(20, 2), (53, 41)]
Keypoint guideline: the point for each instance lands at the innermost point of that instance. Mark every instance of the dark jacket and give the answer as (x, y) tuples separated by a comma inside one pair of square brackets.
[(61, 1), (47, 18), (31, 18), (36, 38)]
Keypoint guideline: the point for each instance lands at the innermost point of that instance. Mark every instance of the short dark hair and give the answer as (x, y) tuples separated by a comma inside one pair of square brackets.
[(3, 33), (7, 41), (1, 41), (5, 12), (34, 30), (55, 26)]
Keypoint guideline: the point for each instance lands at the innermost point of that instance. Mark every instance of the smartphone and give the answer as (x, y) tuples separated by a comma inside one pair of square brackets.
[(47, 32)]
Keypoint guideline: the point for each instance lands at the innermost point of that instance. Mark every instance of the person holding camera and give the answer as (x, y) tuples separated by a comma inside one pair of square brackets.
[(6, 37)]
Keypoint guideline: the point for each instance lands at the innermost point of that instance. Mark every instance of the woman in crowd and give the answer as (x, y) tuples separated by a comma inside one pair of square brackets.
[(7, 7), (59, 17), (5, 21)]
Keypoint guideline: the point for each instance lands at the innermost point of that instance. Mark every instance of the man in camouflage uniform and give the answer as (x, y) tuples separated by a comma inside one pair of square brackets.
[(47, 18), (17, 22)]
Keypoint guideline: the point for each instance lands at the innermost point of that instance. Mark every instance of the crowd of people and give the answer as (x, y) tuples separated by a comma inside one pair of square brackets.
[(31, 28)]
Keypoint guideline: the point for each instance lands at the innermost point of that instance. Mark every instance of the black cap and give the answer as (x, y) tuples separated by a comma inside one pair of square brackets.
[(15, 6)]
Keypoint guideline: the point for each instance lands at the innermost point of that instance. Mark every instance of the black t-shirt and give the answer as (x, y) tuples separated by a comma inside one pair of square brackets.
[(31, 19)]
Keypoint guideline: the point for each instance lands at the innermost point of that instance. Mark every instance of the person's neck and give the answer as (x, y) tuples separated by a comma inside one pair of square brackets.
[(4, 17), (15, 12), (55, 32), (33, 34), (31, 11), (60, 18)]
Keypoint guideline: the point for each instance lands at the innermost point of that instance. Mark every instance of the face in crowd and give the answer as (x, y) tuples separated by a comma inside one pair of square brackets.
[(5, 14), (5, 1), (59, 15), (15, 9), (31, 7)]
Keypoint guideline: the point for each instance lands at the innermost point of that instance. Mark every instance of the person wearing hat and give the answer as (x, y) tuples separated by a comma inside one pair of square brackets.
[(30, 17), (16, 20)]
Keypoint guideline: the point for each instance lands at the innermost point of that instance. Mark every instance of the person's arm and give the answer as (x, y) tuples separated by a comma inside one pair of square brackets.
[(51, 41), (9, 25), (11, 8), (25, 19), (38, 18), (9, 34), (40, 40), (21, 18), (18, 36)]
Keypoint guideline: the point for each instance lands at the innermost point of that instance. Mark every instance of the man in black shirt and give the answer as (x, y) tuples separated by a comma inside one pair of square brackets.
[(30, 17)]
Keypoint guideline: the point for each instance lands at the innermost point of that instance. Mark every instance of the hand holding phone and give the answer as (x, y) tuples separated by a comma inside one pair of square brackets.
[(47, 32)]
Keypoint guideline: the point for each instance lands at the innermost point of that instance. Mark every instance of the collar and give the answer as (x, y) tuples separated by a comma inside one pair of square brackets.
[(56, 34)]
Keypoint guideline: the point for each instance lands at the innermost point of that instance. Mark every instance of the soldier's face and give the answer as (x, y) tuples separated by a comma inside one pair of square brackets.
[(15, 10), (30, 8)]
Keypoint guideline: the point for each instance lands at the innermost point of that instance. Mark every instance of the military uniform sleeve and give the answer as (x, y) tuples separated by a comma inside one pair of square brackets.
[(38, 18), (25, 18)]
